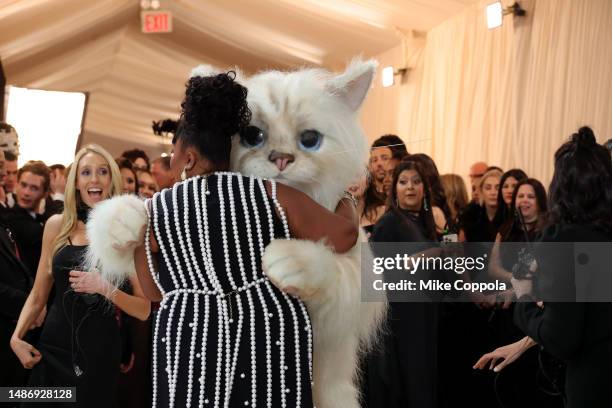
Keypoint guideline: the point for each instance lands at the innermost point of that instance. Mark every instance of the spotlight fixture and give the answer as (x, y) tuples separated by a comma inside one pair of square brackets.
[(149, 4), (495, 13), (389, 73)]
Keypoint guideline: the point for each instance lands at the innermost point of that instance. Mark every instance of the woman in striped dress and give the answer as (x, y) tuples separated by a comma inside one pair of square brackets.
[(224, 335)]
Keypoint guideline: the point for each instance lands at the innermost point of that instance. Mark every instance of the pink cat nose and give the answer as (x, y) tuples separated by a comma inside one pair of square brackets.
[(281, 160)]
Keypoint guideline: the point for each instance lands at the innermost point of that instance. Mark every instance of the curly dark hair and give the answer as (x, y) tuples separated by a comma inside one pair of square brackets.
[(134, 154), (214, 109), (581, 188), (163, 127)]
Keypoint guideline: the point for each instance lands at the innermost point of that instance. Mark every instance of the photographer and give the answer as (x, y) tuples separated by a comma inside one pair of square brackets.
[(580, 199)]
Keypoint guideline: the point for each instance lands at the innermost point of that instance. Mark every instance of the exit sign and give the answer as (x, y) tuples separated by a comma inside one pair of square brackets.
[(157, 21)]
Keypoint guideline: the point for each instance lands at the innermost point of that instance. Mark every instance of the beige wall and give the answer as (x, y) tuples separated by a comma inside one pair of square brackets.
[(508, 96)]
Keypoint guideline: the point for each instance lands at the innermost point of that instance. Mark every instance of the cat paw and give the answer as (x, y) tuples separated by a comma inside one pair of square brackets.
[(299, 268), (119, 222)]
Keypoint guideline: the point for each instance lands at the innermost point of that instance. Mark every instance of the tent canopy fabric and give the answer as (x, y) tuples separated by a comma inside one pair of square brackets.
[(134, 78)]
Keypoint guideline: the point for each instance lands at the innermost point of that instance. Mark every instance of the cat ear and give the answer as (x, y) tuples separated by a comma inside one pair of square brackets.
[(354, 83), (203, 70)]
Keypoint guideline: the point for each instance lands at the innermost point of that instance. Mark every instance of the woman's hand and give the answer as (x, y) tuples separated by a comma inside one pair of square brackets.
[(25, 352), (507, 354), (521, 287), (124, 368), (89, 282), (505, 298), (357, 189)]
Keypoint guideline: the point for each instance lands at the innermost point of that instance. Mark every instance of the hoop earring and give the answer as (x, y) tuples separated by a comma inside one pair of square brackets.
[(184, 174)]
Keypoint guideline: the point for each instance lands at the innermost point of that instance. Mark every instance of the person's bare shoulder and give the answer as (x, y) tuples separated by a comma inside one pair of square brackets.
[(54, 223)]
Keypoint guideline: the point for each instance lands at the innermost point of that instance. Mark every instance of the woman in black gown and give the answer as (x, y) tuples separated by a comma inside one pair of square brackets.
[(224, 335), (579, 333), (79, 345), (404, 373)]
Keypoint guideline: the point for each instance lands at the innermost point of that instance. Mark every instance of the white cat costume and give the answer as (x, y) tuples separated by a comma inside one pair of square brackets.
[(305, 133)]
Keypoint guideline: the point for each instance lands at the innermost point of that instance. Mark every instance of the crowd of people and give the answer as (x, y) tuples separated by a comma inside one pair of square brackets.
[(57, 325), (453, 353)]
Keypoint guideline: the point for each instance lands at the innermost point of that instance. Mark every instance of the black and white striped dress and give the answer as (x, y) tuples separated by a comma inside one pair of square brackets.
[(224, 336)]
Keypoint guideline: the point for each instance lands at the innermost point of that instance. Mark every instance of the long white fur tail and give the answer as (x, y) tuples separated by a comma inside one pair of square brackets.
[(114, 229)]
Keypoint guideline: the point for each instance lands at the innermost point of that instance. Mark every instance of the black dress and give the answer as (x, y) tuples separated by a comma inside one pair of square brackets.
[(578, 333), (404, 372), (465, 330), (523, 382), (79, 343), (224, 336)]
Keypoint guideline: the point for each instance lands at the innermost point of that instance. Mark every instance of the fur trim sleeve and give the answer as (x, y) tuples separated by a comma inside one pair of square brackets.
[(114, 229)]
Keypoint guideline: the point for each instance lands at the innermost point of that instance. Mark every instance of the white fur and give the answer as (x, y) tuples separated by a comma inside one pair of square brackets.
[(284, 104), (202, 70), (114, 229), (343, 326)]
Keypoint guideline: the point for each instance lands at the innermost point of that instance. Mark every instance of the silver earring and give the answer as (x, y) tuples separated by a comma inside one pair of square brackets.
[(184, 174), (425, 204)]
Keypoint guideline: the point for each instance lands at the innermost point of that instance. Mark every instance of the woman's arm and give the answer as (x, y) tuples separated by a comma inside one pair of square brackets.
[(496, 270), (92, 282), (508, 354), (135, 305), (37, 299), (309, 220)]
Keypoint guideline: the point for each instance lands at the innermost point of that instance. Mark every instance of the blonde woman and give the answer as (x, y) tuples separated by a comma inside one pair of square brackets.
[(456, 194), (79, 344), (477, 225)]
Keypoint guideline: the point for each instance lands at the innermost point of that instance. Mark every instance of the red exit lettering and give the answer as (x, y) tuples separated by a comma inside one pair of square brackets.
[(156, 22)]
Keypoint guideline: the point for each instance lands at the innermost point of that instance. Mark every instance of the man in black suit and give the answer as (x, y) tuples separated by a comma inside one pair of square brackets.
[(23, 219), (15, 285)]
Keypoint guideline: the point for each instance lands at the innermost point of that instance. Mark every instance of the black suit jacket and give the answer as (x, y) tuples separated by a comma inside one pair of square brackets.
[(578, 333), (28, 233), (15, 280), (15, 285)]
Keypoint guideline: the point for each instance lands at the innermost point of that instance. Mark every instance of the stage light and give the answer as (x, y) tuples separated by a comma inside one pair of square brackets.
[(495, 13), (48, 123), (388, 75)]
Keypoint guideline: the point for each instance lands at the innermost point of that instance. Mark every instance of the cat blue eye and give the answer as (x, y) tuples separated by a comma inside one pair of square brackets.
[(310, 140), (252, 137)]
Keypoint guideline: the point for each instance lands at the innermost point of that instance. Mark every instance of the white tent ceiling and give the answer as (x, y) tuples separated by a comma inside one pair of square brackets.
[(96, 46)]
